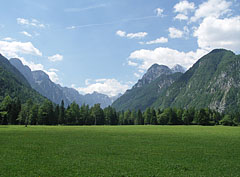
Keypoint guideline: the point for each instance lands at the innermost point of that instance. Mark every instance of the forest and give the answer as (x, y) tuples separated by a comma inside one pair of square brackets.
[(12, 112)]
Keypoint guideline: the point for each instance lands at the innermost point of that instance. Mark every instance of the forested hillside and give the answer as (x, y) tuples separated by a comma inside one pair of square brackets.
[(14, 84), (211, 82)]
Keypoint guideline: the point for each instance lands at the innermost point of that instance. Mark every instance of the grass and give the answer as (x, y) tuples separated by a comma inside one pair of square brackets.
[(119, 151)]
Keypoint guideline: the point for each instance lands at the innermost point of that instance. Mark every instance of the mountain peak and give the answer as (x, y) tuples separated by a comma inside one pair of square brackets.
[(178, 68), (152, 73)]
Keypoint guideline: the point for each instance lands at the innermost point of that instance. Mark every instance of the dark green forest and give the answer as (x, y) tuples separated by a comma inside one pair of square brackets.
[(13, 112)]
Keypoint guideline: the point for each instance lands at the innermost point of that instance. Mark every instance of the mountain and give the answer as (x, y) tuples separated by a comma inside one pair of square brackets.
[(152, 73), (213, 81), (41, 82), (146, 91), (96, 97), (14, 84), (178, 68)]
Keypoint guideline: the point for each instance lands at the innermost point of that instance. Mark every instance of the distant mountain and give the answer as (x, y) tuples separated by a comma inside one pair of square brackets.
[(96, 97), (152, 73), (213, 81), (178, 68), (41, 82), (146, 91), (14, 84)]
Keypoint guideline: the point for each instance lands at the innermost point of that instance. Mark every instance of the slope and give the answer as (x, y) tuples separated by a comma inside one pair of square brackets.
[(213, 81), (14, 84), (146, 91)]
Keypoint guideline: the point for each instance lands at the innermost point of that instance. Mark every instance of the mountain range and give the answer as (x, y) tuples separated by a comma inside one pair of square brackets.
[(41, 82), (213, 82)]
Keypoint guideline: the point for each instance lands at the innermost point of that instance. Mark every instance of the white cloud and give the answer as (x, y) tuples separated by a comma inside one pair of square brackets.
[(181, 17), (165, 56), (71, 27), (183, 7), (32, 22), (26, 33), (13, 48), (121, 33), (175, 33), (212, 8), (56, 57), (88, 81), (52, 74), (157, 41), (159, 12), (8, 39), (138, 35), (219, 33), (110, 87), (137, 75), (130, 63), (53, 70)]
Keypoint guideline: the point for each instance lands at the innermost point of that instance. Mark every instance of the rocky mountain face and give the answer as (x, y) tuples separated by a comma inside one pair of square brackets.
[(152, 73), (157, 70), (14, 84), (213, 81), (146, 91), (178, 68), (41, 82)]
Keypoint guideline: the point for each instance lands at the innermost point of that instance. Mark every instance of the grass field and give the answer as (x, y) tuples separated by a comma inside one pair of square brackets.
[(119, 151)]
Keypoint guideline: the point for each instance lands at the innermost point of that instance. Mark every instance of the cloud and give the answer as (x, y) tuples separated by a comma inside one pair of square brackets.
[(212, 8), (8, 39), (175, 33), (53, 70), (137, 75), (55, 58), (121, 33), (159, 12), (181, 17), (14, 48), (52, 74), (110, 87), (138, 35), (26, 33), (184, 7), (165, 56), (71, 27), (156, 41), (85, 8), (130, 63), (219, 33), (33, 22)]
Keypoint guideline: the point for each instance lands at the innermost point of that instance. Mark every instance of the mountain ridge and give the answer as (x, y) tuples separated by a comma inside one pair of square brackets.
[(41, 82), (14, 84), (212, 82), (145, 92)]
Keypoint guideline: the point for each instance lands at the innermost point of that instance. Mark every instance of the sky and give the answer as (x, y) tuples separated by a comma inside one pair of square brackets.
[(107, 45)]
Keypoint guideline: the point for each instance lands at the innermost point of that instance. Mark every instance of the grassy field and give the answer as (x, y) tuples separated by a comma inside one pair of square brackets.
[(119, 151)]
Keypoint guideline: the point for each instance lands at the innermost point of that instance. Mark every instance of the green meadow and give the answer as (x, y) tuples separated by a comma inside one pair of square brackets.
[(119, 151)]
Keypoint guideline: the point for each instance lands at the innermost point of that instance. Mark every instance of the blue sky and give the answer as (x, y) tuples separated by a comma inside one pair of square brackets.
[(107, 45)]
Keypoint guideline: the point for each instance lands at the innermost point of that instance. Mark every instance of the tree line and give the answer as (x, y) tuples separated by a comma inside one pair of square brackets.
[(12, 112)]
